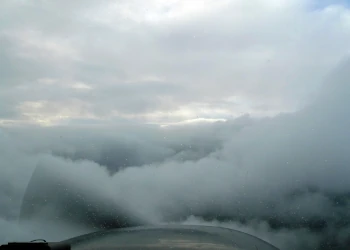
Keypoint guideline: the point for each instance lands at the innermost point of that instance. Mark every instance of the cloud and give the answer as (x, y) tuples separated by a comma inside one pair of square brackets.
[(144, 58), (285, 179), (102, 75)]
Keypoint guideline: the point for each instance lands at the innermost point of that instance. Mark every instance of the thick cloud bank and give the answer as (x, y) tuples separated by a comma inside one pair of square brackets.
[(285, 179)]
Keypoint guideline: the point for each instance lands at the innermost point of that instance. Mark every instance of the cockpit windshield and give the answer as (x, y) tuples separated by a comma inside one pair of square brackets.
[(125, 113)]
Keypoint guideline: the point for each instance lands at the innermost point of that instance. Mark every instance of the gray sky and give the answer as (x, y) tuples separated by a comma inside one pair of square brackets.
[(164, 61)]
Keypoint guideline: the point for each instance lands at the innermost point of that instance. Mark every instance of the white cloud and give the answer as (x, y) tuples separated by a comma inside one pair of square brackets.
[(92, 65), (285, 179), (272, 54), (38, 46)]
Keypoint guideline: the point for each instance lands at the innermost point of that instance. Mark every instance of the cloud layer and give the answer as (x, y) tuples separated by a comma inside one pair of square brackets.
[(164, 62), (105, 77), (285, 179)]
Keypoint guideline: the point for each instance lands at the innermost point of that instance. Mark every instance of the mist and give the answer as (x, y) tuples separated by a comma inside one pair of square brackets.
[(285, 179)]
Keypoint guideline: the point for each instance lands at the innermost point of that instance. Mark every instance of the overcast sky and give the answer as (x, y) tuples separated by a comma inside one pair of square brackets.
[(164, 61)]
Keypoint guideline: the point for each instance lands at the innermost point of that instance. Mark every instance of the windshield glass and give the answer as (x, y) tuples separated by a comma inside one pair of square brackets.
[(224, 113)]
